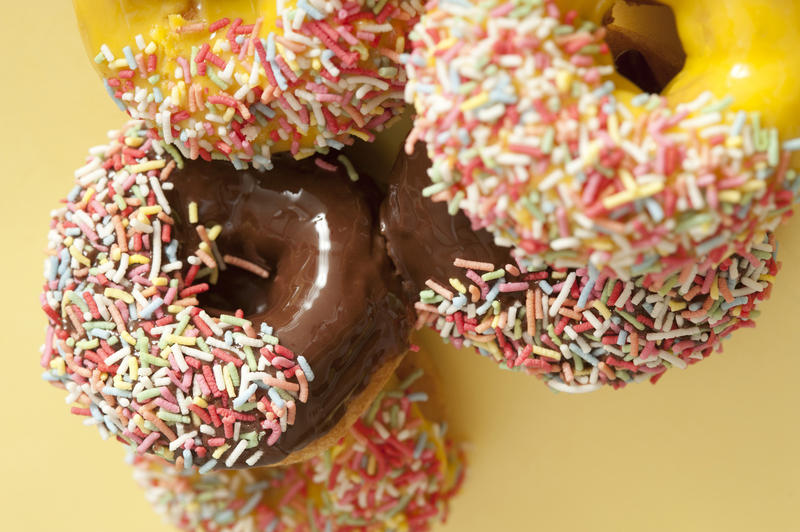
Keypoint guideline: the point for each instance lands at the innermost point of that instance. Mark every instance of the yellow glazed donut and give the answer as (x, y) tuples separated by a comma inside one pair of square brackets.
[(537, 137), (196, 70)]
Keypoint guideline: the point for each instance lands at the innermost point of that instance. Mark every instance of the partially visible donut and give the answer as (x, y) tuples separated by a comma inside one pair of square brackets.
[(215, 317), (395, 470), (588, 328), (536, 137), (196, 70)]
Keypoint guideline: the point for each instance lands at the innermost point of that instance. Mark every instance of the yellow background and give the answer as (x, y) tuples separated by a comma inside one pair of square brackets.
[(712, 448)]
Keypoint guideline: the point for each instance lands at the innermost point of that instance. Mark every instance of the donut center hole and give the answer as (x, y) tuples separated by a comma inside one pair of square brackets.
[(237, 287), (644, 42)]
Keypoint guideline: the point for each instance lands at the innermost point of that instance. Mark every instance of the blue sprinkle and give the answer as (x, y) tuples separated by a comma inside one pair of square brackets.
[(129, 57), (52, 268), (417, 397), (74, 194), (266, 329), (110, 92), (110, 424), (314, 12), (157, 96), (273, 394), (228, 337), (490, 297), (792, 145), (264, 110), (735, 303), (147, 311), (306, 368), (738, 124), (335, 144), (545, 286), (585, 356), (132, 311), (270, 46), (171, 251), (208, 466), (110, 390), (587, 288), (245, 395), (187, 459), (101, 333), (225, 517), (622, 337), (250, 504), (655, 210)]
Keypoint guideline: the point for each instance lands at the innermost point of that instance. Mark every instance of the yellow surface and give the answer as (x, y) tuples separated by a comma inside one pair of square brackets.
[(713, 448)]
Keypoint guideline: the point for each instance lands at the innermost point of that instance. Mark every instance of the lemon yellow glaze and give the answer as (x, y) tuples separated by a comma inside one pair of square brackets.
[(747, 49), (174, 31)]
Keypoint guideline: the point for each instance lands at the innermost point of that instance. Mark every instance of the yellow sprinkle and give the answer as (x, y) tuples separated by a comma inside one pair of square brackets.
[(316, 64), (220, 451), (116, 253), (160, 281), (627, 179), (767, 277), (447, 43), (592, 153), (475, 101), (715, 289), (68, 241), (133, 368), (214, 232), (226, 376), (79, 257), (192, 212), (121, 384), (149, 210), (458, 285), (753, 185), (371, 465), (134, 142), (495, 320), (600, 307), (730, 196), (199, 401), (155, 164), (229, 112), (116, 293), (138, 259), (205, 247), (118, 64), (675, 306), (360, 134), (564, 80), (150, 48), (58, 365), (181, 340), (544, 352), (733, 142), (87, 196), (649, 189), (128, 338), (613, 127), (139, 421), (174, 309), (620, 198)]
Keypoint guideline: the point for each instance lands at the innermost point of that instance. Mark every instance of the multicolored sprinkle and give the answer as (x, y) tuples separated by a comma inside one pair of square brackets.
[(394, 471), (327, 73), (530, 137), (127, 338), (581, 329)]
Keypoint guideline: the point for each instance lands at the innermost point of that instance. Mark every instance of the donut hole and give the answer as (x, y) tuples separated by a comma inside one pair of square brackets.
[(644, 41), (236, 289)]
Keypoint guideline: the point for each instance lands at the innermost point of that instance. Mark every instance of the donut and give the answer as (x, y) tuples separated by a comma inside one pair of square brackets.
[(588, 328), (395, 470), (219, 318), (195, 71), (537, 138)]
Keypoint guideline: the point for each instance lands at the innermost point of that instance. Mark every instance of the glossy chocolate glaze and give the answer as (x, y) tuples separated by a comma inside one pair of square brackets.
[(332, 294), (423, 239)]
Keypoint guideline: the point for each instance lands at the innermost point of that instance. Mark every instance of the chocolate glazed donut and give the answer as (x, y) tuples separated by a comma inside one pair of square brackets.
[(423, 239), (331, 295)]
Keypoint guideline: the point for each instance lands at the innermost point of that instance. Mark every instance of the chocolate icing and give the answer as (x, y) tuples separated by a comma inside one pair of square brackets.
[(332, 294), (423, 239)]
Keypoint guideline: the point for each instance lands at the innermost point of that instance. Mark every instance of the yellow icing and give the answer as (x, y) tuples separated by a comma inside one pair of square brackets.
[(747, 49)]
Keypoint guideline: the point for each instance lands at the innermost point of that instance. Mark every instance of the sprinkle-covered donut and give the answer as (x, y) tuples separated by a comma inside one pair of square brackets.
[(242, 80), (219, 318), (578, 329), (395, 470), (537, 138)]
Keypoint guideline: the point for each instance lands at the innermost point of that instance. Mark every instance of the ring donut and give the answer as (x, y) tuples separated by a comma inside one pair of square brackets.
[(395, 470), (537, 138), (589, 329), (219, 318), (195, 71)]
